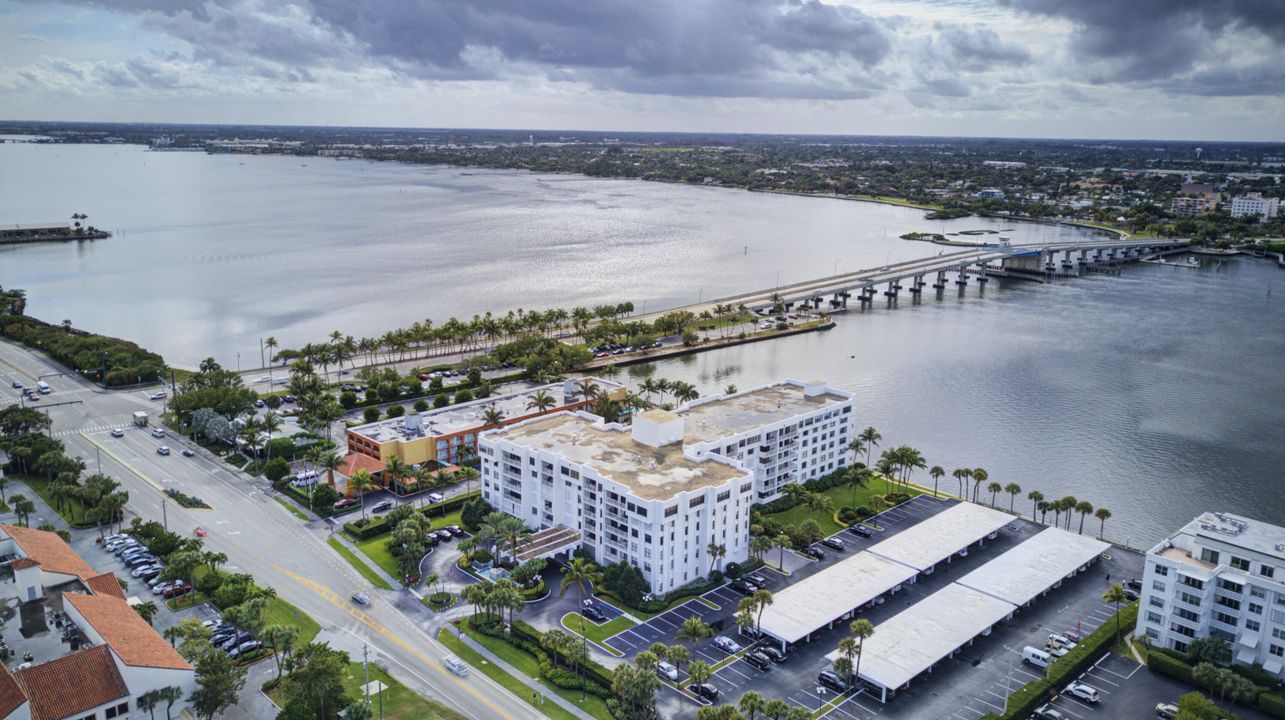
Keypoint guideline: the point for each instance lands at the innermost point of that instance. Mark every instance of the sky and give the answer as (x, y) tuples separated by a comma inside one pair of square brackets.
[(1156, 69)]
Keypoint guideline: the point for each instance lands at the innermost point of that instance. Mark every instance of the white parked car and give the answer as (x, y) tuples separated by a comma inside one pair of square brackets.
[(117, 432), (1083, 692), (667, 671)]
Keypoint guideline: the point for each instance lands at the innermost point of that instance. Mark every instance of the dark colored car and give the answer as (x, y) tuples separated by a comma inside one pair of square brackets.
[(181, 588), (188, 452), (757, 579), (860, 530), (1134, 584), (431, 538), (344, 503), (744, 587), (706, 691), (455, 530), (831, 679), (593, 613), (384, 506), (759, 660), (813, 552), (774, 653)]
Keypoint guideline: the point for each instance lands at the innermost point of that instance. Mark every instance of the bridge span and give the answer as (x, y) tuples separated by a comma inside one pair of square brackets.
[(1031, 260)]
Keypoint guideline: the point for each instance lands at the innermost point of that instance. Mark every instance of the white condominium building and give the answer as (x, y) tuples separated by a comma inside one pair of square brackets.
[(632, 494), (1220, 575), (785, 432), (1254, 204)]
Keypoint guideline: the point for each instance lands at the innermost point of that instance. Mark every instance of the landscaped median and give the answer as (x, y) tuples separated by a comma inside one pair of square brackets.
[(1068, 667), (550, 709), (596, 633), (364, 570), (371, 538), (396, 702)]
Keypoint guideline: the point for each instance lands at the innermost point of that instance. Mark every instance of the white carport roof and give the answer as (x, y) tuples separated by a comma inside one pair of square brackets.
[(909, 643), (930, 541), (811, 603), (1021, 574)]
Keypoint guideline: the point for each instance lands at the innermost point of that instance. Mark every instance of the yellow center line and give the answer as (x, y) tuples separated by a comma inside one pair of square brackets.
[(343, 604)]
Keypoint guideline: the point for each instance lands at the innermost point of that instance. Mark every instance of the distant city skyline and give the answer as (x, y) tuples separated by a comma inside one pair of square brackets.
[(1147, 69)]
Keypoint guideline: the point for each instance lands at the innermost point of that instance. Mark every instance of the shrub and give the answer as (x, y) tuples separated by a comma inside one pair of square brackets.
[(396, 411), (733, 570), (273, 401), (848, 515), (370, 414), (421, 405), (209, 582), (435, 385), (348, 399), (1271, 704), (474, 376), (463, 396), (441, 401), (276, 469), (482, 555), (358, 530), (626, 582), (474, 512)]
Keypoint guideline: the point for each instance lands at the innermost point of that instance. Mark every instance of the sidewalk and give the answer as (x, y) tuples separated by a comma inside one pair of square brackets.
[(548, 695), (361, 557)]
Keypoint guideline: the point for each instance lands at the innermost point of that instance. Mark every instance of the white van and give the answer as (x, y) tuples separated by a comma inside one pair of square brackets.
[(43, 387), (158, 432), (456, 665), (434, 498), (1036, 657)]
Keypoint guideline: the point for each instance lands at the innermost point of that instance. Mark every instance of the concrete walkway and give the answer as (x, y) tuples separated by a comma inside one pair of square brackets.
[(548, 695)]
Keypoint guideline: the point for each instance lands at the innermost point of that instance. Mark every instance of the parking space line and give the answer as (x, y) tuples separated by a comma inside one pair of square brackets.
[(987, 703), (1099, 678), (1068, 711)]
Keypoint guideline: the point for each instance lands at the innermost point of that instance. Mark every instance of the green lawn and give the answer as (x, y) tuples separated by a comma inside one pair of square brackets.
[(839, 496), (280, 612), (597, 633), (376, 549), (527, 665), (507, 681), (73, 511), (291, 507), (399, 702), (371, 576)]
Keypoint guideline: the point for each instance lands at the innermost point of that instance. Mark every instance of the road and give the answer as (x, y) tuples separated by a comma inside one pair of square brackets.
[(258, 535)]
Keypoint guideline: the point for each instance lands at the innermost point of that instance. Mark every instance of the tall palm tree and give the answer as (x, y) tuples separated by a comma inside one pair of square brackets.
[(170, 695), (857, 478), (540, 402), (146, 610), (1067, 505), (649, 387), (1012, 489), (979, 476), (492, 415), (848, 650), (394, 470), (1103, 515), (716, 551), (936, 472), (330, 462), (858, 449), (359, 483), (751, 704), (782, 541), (1085, 508), (762, 599), (270, 423), (148, 701), (870, 438), (693, 630), (861, 629), (960, 475), (994, 489), (1035, 496), (1115, 595), (581, 574)]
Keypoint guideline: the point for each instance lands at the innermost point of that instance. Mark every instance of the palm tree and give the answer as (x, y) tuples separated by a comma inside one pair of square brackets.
[(848, 649), (776, 708), (581, 573), (148, 701), (146, 610), (22, 507), (330, 462), (173, 633), (492, 416), (979, 476), (170, 695), (861, 629), (650, 387), (715, 551), (857, 478), (751, 704), (540, 402), (699, 672), (960, 475), (359, 483), (270, 423), (1012, 489), (1085, 508), (936, 472), (1067, 505), (782, 542), (994, 489), (1103, 515), (762, 599), (394, 470), (1035, 496), (588, 389), (858, 449), (870, 438), (693, 630), (1115, 595)]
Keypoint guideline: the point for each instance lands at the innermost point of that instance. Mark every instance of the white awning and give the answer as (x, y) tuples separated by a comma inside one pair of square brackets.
[(1273, 665), (923, 545), (1021, 574), (1249, 641), (815, 601)]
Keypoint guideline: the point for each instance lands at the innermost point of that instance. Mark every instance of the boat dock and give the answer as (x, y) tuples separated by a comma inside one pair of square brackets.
[(48, 232)]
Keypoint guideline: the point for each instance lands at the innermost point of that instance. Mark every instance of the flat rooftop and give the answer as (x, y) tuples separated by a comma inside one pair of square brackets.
[(651, 473), (467, 416), (1021, 574), (723, 416), (914, 640), (35, 627), (934, 539), (811, 603), (1256, 535)]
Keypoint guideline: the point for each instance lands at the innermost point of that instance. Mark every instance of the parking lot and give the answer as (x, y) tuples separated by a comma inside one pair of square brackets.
[(965, 687)]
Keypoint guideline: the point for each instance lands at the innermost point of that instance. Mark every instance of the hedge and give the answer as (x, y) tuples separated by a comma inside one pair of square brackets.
[(86, 353), (378, 527), (1272, 704), (662, 603), (1175, 665), (597, 679), (1066, 668)]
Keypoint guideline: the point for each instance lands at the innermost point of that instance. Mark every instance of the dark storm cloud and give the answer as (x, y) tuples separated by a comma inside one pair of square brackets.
[(1147, 40), (977, 49)]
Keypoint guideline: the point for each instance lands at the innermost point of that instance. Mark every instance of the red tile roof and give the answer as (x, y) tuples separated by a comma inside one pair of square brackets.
[(23, 564), (46, 548), (105, 584), (126, 631), (11, 695), (352, 462), (72, 684)]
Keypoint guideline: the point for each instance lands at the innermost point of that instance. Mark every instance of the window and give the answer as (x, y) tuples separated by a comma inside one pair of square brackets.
[(1255, 609), (1230, 585), (1157, 586), (1252, 625), (671, 511), (1257, 591), (724, 495), (1161, 570), (1209, 556), (697, 501), (1156, 601), (1276, 650), (1189, 599), (119, 711), (1154, 618), (1224, 618), (1267, 571), (1240, 563)]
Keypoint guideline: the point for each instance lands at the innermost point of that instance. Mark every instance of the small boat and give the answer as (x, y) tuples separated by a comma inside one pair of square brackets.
[(1193, 261)]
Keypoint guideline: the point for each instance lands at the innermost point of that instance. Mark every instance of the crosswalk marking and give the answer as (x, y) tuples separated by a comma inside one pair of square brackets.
[(85, 431)]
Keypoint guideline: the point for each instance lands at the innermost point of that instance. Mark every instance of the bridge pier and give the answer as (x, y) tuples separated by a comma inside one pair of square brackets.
[(981, 277), (893, 287), (917, 286), (963, 276)]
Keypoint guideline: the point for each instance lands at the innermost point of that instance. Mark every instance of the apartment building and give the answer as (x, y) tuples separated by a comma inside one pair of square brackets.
[(632, 494), (75, 648), (785, 432), (441, 434), (1194, 199), (1255, 205), (1220, 575)]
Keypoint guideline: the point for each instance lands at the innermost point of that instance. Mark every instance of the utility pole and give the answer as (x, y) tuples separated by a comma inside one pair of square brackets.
[(365, 663), (165, 518), (98, 455), (261, 362)]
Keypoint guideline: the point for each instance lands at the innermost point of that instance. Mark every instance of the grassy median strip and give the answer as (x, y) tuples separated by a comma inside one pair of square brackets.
[(510, 683), (358, 564), (376, 549), (398, 701), (293, 510), (280, 612), (598, 634), (527, 665)]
